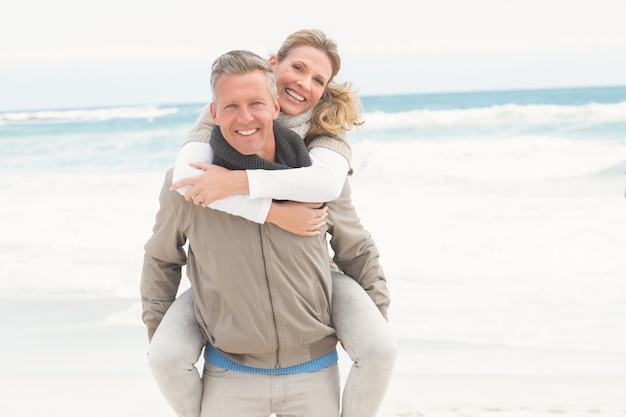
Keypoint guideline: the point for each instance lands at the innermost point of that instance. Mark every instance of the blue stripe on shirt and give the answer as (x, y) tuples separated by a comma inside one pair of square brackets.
[(217, 358)]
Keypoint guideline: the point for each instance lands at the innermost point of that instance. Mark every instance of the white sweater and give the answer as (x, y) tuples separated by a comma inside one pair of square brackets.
[(322, 181)]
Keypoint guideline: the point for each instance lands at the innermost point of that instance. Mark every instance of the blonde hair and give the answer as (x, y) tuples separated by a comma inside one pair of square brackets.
[(339, 107)]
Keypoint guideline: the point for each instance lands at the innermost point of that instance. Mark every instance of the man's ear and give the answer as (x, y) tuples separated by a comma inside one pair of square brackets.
[(213, 113), (276, 108), (273, 61)]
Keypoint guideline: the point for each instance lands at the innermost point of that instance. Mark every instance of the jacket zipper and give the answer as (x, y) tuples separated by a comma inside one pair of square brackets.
[(262, 233)]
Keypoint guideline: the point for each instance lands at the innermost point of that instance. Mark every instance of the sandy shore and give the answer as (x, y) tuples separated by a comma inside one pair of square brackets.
[(59, 358), (409, 396), (475, 395)]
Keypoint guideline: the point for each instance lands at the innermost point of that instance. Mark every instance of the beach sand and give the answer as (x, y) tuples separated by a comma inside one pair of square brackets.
[(86, 357), (480, 395), (49, 395)]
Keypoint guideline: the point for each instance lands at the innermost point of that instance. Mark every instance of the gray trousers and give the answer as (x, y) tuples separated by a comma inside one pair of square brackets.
[(236, 394), (364, 333)]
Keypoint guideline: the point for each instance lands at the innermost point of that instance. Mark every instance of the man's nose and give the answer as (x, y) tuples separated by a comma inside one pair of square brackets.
[(244, 114)]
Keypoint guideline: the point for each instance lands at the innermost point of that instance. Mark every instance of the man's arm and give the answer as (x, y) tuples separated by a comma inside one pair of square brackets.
[(163, 260), (355, 252)]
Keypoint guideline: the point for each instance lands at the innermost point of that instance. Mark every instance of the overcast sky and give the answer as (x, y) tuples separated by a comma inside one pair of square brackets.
[(70, 53)]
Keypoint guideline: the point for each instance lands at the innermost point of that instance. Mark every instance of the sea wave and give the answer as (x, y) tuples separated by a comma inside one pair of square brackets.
[(494, 160), (88, 115), (506, 119)]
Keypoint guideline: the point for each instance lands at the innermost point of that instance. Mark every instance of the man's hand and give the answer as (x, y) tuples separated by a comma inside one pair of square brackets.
[(304, 219), (215, 183)]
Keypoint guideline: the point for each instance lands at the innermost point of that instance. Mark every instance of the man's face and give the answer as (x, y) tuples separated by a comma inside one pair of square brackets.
[(244, 110)]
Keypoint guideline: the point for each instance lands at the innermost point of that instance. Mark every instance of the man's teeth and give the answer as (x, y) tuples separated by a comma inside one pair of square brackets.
[(295, 95), (247, 132)]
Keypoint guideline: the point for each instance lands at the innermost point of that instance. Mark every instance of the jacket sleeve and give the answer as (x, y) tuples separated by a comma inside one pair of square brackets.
[(355, 252), (163, 260)]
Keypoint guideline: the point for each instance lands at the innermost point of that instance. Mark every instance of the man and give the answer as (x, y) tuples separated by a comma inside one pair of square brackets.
[(261, 294)]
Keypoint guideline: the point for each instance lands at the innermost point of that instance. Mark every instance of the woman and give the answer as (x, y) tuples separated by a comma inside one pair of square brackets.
[(318, 109)]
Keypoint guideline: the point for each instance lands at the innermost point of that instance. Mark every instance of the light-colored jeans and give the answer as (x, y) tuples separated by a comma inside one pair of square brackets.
[(365, 335), (174, 350), (236, 394)]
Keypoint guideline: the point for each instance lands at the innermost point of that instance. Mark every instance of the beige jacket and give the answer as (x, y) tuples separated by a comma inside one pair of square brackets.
[(355, 252), (262, 295)]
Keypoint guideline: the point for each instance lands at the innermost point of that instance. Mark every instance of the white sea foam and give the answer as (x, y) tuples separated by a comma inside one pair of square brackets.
[(508, 117), (78, 115), (502, 159)]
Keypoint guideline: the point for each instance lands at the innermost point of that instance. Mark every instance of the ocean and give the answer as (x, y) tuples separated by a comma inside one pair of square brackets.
[(500, 218)]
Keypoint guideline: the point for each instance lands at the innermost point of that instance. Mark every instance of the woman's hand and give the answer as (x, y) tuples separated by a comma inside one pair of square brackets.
[(304, 219), (215, 183)]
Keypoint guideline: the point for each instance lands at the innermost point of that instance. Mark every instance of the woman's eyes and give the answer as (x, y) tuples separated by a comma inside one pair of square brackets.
[(319, 81)]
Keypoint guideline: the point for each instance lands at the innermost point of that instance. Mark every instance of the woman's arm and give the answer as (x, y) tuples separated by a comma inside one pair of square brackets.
[(322, 181), (240, 205), (300, 218), (196, 148), (304, 219), (190, 152)]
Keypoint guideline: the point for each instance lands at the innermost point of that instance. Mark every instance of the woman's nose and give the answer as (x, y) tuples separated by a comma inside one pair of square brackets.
[(305, 83)]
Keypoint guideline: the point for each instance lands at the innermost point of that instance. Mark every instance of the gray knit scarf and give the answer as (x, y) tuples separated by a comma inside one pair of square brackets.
[(299, 123), (291, 152)]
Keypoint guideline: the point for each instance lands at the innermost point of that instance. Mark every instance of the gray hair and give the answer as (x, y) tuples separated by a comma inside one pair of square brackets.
[(239, 62)]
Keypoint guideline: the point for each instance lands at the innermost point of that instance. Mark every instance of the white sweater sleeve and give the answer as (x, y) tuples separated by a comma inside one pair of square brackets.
[(320, 182), (190, 152), (255, 210)]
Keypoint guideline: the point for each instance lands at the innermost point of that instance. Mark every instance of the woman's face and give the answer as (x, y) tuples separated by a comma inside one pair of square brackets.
[(301, 78)]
